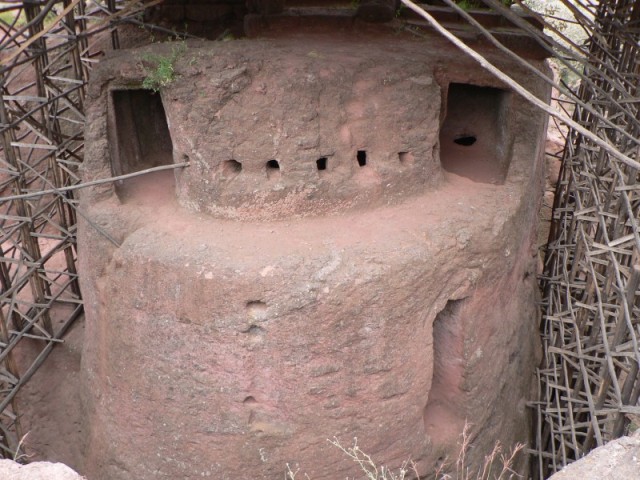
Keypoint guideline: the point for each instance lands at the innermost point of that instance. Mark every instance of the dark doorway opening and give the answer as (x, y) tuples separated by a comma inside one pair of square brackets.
[(142, 142), (473, 138), (441, 420)]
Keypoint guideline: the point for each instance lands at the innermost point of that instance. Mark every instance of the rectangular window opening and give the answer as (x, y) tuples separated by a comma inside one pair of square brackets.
[(142, 141), (473, 137)]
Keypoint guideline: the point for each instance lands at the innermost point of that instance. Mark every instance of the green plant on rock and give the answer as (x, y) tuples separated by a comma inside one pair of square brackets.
[(163, 74), (467, 5)]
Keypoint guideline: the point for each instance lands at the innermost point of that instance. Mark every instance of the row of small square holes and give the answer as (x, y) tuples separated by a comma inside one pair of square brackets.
[(233, 166)]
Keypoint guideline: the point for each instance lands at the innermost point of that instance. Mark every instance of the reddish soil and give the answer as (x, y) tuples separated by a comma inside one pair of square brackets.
[(50, 407)]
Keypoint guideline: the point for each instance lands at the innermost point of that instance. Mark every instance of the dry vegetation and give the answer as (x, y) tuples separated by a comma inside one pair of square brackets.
[(497, 465)]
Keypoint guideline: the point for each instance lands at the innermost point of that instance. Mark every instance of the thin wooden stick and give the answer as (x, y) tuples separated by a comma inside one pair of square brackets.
[(93, 183)]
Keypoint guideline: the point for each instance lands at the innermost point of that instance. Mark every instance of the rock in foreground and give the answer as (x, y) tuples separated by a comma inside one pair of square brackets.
[(10, 470), (617, 460)]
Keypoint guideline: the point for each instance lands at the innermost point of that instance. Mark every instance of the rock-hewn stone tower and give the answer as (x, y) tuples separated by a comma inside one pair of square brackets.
[(350, 253)]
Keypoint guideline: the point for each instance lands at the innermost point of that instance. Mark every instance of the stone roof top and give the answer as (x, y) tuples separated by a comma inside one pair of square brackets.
[(274, 18)]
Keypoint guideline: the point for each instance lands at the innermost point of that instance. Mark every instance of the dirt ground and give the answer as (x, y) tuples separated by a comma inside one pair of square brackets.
[(50, 405)]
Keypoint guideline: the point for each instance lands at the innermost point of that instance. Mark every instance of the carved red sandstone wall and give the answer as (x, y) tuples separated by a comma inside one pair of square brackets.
[(251, 312)]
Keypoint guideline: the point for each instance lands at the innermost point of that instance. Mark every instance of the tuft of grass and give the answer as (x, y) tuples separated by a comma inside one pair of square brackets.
[(467, 5), (496, 466), (369, 467), (634, 423), (9, 16), (163, 73), (18, 456)]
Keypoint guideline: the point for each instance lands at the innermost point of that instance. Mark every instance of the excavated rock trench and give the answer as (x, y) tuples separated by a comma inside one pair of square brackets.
[(351, 253)]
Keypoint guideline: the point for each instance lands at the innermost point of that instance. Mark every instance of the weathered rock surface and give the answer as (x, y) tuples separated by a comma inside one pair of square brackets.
[(10, 470), (386, 300), (616, 460)]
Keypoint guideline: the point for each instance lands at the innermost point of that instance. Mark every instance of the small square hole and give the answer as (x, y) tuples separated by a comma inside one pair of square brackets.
[(321, 163), (362, 158)]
